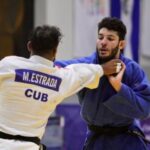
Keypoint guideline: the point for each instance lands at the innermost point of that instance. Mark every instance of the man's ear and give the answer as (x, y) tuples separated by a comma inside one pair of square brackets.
[(122, 44), (29, 46)]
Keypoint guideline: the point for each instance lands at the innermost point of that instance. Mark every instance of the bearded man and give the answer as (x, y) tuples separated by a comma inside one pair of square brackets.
[(112, 110)]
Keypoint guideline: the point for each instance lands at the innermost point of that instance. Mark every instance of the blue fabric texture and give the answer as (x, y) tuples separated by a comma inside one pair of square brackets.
[(106, 107)]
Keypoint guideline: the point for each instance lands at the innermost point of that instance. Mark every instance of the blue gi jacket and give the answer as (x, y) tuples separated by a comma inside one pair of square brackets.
[(106, 107)]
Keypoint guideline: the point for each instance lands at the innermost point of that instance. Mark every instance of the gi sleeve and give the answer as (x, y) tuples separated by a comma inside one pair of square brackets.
[(133, 100), (64, 63), (80, 76)]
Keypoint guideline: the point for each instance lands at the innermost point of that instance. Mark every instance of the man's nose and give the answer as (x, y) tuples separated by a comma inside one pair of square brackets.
[(104, 42)]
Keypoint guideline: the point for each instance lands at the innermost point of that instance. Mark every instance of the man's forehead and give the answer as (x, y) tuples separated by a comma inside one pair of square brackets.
[(107, 32)]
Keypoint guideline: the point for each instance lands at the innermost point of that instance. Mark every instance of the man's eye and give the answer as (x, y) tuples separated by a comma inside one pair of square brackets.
[(110, 39)]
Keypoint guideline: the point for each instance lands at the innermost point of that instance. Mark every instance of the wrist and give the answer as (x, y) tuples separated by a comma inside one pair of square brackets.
[(118, 87)]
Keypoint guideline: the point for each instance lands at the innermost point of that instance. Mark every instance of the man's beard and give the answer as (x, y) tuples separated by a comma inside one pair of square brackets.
[(108, 58)]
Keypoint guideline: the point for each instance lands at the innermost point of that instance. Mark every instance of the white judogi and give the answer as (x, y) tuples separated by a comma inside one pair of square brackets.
[(30, 89)]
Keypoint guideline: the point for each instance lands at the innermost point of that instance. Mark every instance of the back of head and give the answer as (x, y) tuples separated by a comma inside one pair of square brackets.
[(114, 24), (44, 39)]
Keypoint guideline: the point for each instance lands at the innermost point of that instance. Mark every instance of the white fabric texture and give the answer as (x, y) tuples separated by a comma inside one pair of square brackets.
[(30, 89)]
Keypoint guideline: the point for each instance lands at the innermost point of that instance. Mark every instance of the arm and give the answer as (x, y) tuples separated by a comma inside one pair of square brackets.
[(86, 75), (64, 63), (133, 95), (78, 76), (108, 68)]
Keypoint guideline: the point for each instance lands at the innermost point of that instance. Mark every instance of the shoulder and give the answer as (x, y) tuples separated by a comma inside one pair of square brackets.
[(13, 60), (10, 58), (133, 70), (130, 64)]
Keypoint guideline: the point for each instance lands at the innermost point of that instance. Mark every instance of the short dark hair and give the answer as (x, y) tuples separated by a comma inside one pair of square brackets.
[(115, 24), (45, 38)]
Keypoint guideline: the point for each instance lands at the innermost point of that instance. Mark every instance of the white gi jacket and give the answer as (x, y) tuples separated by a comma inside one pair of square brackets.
[(30, 89)]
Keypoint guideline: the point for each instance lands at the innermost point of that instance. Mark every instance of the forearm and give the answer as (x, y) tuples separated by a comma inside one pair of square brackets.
[(87, 60), (129, 103)]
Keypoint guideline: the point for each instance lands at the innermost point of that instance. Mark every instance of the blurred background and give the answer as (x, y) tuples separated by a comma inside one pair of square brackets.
[(77, 20)]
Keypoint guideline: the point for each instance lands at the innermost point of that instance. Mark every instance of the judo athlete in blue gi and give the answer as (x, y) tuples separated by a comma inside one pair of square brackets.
[(31, 88), (112, 110)]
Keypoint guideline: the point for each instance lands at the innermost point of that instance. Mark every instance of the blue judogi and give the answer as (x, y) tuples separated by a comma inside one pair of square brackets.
[(104, 107)]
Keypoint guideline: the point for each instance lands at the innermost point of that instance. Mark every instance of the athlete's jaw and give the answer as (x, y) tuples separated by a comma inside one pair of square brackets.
[(106, 55)]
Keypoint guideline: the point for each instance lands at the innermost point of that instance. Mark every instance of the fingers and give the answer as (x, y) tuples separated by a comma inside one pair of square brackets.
[(112, 67), (121, 72), (118, 67), (116, 61)]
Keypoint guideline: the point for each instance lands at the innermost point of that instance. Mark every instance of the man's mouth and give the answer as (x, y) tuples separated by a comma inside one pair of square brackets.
[(103, 51)]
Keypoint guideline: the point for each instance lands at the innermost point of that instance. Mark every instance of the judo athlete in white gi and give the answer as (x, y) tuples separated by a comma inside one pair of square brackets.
[(30, 89)]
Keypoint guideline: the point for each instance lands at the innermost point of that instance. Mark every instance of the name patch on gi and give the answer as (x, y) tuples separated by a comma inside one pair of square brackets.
[(38, 78)]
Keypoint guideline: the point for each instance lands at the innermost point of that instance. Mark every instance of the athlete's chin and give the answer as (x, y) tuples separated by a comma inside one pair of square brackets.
[(104, 59), (104, 56)]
